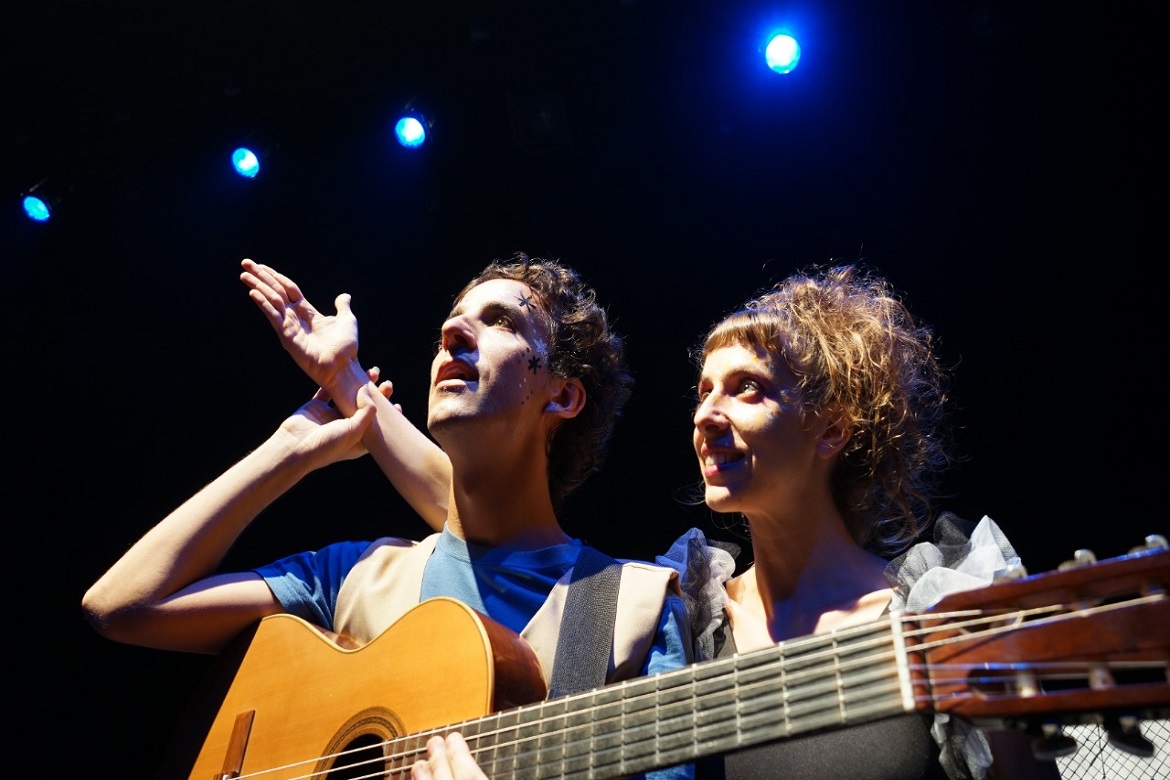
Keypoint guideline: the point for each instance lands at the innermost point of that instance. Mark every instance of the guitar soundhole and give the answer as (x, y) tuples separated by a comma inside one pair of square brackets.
[(363, 757), (361, 748)]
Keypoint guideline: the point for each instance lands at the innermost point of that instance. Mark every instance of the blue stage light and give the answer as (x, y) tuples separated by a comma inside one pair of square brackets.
[(41, 200), (782, 53), (410, 132), (246, 163), (36, 209)]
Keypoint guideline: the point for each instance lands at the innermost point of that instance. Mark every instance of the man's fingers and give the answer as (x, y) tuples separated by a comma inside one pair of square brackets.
[(273, 314), (289, 286), (363, 417), (278, 288)]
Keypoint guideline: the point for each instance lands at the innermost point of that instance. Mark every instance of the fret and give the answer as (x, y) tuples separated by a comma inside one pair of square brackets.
[(405, 751)]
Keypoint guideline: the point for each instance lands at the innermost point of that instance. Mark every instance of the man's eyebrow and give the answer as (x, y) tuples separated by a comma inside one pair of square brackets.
[(513, 304)]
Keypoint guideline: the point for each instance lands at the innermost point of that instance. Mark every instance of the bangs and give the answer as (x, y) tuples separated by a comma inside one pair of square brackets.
[(755, 328)]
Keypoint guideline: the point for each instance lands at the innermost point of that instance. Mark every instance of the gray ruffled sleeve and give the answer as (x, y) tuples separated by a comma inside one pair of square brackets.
[(962, 557), (703, 568)]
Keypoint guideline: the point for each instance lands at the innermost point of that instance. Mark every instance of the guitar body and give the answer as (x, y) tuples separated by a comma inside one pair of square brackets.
[(287, 702)]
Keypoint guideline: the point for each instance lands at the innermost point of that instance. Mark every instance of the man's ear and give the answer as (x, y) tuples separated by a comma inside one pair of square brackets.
[(568, 398)]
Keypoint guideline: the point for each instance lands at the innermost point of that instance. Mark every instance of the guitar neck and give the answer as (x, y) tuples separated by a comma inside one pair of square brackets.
[(815, 683)]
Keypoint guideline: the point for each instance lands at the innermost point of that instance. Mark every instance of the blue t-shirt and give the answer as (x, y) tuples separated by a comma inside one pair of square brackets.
[(508, 585)]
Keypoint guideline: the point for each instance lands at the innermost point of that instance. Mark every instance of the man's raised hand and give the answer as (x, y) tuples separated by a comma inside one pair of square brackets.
[(324, 346)]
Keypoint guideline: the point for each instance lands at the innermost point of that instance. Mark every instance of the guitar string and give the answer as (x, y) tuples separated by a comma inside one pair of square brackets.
[(997, 618), (624, 767), (788, 655), (418, 738)]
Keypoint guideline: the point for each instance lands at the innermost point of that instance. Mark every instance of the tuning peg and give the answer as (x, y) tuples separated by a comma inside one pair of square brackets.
[(1125, 734), (1052, 743), (1153, 542), (1014, 572), (1080, 558)]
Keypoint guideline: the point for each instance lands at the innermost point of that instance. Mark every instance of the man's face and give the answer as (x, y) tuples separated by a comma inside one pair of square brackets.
[(492, 361)]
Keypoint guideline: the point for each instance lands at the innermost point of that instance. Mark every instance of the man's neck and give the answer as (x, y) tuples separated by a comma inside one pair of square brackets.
[(499, 486), (492, 518)]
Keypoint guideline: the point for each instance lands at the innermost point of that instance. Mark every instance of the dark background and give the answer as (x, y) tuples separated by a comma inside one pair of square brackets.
[(1003, 164)]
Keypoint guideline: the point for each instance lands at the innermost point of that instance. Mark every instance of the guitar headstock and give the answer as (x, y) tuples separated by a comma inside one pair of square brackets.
[(1087, 643)]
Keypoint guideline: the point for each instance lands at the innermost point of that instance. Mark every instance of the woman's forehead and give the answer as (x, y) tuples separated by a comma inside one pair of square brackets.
[(736, 356), (741, 357)]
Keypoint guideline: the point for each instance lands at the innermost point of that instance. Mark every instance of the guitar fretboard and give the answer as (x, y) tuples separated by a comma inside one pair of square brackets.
[(819, 682)]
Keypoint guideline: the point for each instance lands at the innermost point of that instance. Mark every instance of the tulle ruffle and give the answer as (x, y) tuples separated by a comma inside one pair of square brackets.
[(961, 557)]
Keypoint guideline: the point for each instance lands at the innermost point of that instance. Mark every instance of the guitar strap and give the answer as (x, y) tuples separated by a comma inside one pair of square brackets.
[(586, 636)]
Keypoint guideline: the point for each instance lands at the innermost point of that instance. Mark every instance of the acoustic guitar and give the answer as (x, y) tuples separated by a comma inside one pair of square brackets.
[(1089, 642)]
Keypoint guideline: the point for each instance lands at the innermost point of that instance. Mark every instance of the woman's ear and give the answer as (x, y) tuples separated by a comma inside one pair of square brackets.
[(568, 398), (834, 437)]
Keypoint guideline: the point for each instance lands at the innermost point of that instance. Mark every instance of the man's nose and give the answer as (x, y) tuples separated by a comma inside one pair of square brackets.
[(457, 336)]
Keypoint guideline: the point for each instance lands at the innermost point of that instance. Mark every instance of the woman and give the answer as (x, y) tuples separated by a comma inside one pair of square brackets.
[(820, 420)]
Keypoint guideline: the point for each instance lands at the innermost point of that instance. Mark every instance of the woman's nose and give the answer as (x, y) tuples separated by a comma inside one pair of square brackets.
[(709, 414)]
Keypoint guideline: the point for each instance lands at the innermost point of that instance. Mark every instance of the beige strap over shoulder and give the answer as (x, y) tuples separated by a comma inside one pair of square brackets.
[(386, 583)]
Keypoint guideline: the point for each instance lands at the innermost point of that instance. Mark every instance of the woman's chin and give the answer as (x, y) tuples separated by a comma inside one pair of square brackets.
[(719, 499)]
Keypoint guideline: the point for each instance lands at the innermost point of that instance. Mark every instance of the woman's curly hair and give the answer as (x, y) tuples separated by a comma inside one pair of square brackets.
[(583, 347), (858, 353)]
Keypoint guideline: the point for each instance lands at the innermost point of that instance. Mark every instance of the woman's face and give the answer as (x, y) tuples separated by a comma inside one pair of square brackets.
[(755, 452)]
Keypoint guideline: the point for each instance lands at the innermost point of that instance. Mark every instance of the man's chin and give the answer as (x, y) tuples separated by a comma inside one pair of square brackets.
[(440, 416)]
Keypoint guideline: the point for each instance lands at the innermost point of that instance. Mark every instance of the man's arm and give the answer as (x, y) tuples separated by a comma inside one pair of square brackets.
[(162, 592), (325, 347)]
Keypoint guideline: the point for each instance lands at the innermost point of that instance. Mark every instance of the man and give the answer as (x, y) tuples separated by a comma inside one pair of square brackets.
[(525, 387)]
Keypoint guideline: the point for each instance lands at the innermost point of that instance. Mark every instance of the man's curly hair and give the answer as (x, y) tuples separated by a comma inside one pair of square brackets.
[(859, 353), (583, 347)]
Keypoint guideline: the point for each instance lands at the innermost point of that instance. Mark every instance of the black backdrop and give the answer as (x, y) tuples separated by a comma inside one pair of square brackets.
[(1003, 165)]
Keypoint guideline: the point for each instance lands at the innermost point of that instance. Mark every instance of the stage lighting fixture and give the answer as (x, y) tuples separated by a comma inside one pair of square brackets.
[(41, 200), (411, 130), (782, 53), (246, 162)]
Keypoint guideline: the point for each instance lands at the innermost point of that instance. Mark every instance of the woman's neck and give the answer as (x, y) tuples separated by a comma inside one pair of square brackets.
[(806, 579)]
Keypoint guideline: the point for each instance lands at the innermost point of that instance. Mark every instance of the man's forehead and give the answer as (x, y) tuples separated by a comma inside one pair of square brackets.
[(506, 292)]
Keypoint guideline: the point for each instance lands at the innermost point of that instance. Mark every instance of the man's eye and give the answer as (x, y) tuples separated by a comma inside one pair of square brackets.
[(504, 321)]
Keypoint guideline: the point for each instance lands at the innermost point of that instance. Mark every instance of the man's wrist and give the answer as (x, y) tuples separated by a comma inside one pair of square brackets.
[(343, 390)]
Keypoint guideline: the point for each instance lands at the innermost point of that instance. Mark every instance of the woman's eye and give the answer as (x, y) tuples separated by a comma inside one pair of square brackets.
[(749, 386)]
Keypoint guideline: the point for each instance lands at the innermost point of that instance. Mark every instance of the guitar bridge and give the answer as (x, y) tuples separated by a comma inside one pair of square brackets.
[(233, 761)]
